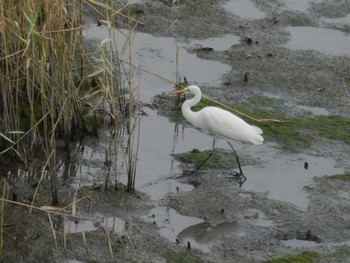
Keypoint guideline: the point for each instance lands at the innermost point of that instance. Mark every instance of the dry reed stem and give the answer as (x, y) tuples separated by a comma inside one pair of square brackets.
[(53, 230), (239, 112), (105, 231), (53, 210), (43, 171)]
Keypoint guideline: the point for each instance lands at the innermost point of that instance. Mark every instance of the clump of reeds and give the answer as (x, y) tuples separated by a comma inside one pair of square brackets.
[(48, 79)]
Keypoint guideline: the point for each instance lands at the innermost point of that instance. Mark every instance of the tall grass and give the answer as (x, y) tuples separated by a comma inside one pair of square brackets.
[(48, 79)]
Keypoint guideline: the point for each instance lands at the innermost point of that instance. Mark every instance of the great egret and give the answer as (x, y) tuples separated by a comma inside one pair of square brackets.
[(220, 123)]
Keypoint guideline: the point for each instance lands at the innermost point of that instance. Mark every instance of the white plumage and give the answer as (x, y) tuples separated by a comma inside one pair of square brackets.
[(220, 123), (217, 121)]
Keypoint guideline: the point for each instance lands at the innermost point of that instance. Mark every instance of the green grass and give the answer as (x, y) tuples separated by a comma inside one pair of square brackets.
[(342, 252), (185, 256), (343, 177), (347, 80), (304, 257)]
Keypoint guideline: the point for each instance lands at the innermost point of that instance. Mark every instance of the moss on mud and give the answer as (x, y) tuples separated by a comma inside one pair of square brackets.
[(342, 252), (304, 257), (220, 159), (185, 256), (343, 177)]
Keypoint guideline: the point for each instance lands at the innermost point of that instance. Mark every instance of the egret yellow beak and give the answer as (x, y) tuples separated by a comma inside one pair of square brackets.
[(180, 91)]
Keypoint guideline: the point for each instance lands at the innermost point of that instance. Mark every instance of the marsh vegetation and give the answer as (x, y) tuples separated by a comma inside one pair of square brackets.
[(75, 185)]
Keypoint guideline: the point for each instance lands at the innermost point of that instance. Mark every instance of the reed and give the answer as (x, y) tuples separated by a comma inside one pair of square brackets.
[(48, 81)]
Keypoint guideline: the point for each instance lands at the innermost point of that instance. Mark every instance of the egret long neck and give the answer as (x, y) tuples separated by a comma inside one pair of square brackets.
[(186, 108)]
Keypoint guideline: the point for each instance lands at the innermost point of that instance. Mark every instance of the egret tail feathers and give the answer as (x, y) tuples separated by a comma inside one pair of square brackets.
[(257, 129), (258, 139)]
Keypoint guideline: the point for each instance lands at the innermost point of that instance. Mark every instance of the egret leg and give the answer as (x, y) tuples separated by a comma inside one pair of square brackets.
[(206, 159), (241, 177)]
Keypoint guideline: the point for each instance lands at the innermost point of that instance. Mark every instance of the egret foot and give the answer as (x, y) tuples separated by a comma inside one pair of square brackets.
[(188, 172), (239, 177)]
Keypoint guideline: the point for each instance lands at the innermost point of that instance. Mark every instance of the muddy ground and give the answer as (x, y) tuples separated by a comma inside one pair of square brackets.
[(300, 77)]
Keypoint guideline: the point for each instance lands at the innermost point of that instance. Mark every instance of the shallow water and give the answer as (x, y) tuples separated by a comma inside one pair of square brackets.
[(158, 55), (328, 41), (338, 21), (244, 9), (183, 229), (297, 243), (282, 176), (114, 224), (299, 5)]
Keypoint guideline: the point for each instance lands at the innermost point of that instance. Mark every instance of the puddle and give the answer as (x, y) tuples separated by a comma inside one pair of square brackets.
[(283, 177), (296, 5), (157, 189), (204, 235), (182, 229), (244, 9), (158, 55), (299, 5), (338, 21), (114, 224), (329, 41), (297, 243), (171, 223)]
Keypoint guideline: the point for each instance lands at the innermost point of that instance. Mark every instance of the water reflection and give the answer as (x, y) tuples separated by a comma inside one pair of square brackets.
[(204, 235)]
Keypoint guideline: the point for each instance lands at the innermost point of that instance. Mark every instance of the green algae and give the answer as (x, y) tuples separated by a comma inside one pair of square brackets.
[(342, 252), (304, 257), (343, 177), (221, 159), (185, 256)]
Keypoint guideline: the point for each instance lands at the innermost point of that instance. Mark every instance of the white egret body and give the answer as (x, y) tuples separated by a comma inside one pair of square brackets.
[(218, 122)]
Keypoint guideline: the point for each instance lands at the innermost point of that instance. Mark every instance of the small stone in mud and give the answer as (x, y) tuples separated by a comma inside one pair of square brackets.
[(246, 77)]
